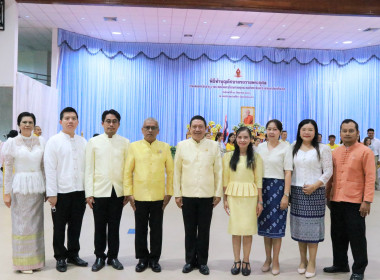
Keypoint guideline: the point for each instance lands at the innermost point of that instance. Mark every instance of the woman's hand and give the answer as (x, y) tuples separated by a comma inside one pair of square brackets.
[(309, 189), (7, 200), (284, 202), (259, 209), (226, 207)]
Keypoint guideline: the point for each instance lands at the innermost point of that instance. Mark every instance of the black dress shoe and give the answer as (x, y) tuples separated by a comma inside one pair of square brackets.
[(141, 266), (115, 264), (155, 266), (203, 268), (246, 271), (98, 264), (235, 270), (335, 269), (77, 261), (187, 268), (355, 276), (61, 266)]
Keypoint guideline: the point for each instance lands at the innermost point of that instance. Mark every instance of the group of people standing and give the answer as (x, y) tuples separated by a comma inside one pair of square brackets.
[(257, 186)]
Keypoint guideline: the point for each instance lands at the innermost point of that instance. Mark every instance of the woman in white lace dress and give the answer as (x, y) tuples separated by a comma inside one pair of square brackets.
[(312, 169), (24, 194)]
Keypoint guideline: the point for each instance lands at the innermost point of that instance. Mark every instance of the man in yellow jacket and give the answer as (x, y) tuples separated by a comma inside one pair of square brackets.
[(147, 163)]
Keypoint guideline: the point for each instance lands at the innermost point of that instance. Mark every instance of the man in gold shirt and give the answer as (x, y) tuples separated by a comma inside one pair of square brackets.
[(144, 184), (105, 160), (197, 189)]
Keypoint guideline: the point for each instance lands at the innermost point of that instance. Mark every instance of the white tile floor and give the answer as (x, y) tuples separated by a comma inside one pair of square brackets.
[(172, 260)]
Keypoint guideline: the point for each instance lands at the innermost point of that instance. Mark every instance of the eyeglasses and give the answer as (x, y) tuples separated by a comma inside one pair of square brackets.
[(114, 121), (153, 128)]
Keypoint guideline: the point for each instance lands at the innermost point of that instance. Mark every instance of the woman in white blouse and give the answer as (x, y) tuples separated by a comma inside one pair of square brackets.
[(24, 193), (276, 188), (312, 168)]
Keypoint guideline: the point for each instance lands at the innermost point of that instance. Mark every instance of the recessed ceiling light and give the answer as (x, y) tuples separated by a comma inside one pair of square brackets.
[(123, 19), (116, 33), (283, 25), (336, 42), (188, 35), (347, 42), (205, 22), (82, 18), (164, 20), (27, 16), (322, 27), (359, 29), (235, 37), (269, 39)]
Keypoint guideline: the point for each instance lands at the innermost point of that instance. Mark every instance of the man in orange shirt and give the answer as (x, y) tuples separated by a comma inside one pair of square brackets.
[(350, 194)]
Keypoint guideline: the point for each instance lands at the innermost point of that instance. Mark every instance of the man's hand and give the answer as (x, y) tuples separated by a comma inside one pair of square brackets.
[(7, 200), (178, 200), (365, 209), (166, 201), (216, 201), (131, 200), (52, 200), (90, 200), (125, 201)]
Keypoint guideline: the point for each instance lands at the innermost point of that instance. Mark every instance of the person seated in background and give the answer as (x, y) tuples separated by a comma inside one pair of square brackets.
[(331, 143), (230, 146)]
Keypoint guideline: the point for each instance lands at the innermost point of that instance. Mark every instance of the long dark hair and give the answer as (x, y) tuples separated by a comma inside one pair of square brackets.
[(314, 142), (218, 135), (236, 155)]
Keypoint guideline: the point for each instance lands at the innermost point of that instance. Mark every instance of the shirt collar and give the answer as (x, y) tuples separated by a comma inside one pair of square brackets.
[(67, 136), (106, 136), (195, 142), (350, 148), (149, 144)]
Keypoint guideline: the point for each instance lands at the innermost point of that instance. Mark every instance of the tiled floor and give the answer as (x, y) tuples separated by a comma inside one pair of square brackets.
[(220, 259)]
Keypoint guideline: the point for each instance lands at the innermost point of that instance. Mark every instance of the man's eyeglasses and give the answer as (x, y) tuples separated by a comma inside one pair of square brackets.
[(150, 128)]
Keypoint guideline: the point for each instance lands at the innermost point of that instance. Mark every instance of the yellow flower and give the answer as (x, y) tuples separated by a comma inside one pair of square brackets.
[(211, 124)]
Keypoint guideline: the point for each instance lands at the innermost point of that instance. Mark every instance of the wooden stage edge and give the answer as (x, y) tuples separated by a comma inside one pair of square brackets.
[(327, 7)]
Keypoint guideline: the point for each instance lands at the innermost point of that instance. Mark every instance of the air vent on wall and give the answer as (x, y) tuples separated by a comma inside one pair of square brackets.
[(244, 24), (281, 39), (110, 18), (187, 35)]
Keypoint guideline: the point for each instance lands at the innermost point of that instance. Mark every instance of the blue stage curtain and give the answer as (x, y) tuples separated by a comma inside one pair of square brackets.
[(153, 80)]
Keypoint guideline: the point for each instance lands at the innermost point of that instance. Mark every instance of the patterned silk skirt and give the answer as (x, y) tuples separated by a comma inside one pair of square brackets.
[(28, 231), (307, 215), (272, 221)]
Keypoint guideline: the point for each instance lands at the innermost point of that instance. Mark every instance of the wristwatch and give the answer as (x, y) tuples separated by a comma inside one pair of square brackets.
[(286, 194)]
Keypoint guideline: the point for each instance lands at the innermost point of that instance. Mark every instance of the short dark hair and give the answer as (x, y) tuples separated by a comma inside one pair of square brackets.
[(319, 134), (348, 121), (112, 112), (332, 136), (67, 110), (370, 129), (25, 114), (277, 123), (198, 117), (284, 131)]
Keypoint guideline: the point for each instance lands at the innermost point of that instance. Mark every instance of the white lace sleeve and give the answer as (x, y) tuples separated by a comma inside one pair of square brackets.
[(327, 164), (7, 154)]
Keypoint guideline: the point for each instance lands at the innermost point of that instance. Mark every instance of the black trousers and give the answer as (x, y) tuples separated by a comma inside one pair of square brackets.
[(107, 214), (148, 212), (197, 214), (348, 227), (69, 211)]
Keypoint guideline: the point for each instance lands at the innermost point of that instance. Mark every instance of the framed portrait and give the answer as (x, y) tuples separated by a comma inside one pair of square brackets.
[(247, 115)]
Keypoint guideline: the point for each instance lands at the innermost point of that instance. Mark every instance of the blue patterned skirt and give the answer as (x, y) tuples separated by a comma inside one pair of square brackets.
[(272, 221), (307, 215)]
